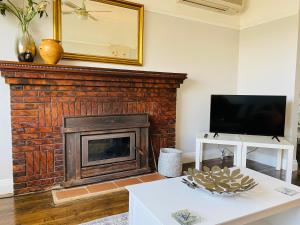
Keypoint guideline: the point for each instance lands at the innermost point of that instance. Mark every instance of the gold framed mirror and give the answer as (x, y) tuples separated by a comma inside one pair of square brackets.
[(109, 31)]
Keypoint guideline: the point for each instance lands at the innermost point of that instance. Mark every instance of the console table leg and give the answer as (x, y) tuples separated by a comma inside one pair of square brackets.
[(244, 156), (279, 160), (199, 154), (289, 165), (235, 158), (239, 155)]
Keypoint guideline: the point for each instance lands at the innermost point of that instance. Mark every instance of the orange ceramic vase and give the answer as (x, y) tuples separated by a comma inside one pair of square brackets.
[(51, 51)]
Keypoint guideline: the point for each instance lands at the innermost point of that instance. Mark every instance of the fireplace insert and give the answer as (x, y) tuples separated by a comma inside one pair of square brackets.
[(107, 148), (101, 148)]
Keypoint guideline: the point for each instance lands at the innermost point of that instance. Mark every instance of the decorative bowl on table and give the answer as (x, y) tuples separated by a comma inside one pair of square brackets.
[(219, 181)]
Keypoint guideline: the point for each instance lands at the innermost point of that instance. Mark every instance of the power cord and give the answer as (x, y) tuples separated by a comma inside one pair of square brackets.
[(223, 151), (253, 150)]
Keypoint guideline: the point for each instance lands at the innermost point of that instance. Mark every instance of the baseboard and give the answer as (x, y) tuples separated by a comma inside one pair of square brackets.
[(6, 188), (189, 157), (295, 164), (270, 160)]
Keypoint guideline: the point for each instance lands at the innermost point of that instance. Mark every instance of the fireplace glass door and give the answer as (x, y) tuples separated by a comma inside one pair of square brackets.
[(107, 148)]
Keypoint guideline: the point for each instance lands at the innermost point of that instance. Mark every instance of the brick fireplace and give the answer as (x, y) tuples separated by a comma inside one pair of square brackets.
[(42, 96)]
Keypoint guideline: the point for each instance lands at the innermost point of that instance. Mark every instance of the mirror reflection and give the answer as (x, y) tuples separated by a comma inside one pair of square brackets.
[(99, 28)]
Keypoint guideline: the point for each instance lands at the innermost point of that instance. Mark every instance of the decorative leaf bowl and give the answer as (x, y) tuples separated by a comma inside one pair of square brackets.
[(219, 181)]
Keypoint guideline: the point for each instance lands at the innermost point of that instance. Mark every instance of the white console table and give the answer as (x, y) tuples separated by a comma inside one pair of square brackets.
[(268, 143), (224, 139), (242, 143)]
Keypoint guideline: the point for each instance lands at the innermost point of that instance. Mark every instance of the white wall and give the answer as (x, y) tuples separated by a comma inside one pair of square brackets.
[(8, 33), (263, 11), (297, 86), (267, 66), (6, 176), (173, 8), (208, 53)]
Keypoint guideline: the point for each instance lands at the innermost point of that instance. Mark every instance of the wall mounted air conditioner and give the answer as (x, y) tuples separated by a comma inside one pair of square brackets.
[(230, 7)]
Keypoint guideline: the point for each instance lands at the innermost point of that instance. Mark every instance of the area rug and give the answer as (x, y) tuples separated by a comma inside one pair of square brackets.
[(120, 219)]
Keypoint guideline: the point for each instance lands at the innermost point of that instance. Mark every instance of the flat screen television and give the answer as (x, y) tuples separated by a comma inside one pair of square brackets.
[(248, 114)]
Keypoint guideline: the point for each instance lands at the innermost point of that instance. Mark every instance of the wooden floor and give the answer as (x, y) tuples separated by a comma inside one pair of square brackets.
[(39, 208)]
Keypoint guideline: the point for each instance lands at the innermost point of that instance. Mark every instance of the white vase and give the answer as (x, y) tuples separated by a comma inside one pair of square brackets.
[(170, 162)]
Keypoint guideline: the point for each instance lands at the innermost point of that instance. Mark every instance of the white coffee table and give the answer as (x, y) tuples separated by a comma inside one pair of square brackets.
[(153, 203)]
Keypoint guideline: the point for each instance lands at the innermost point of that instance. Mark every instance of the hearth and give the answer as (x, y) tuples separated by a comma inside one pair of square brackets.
[(100, 148)]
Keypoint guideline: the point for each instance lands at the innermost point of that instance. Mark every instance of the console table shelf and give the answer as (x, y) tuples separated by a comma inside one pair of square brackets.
[(242, 143)]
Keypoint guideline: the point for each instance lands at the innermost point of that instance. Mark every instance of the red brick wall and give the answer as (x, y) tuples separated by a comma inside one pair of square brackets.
[(39, 106)]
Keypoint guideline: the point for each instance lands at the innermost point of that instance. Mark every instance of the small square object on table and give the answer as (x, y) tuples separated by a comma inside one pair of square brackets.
[(153, 203)]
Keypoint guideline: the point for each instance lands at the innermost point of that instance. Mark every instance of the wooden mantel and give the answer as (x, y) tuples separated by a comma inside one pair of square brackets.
[(70, 72), (43, 95)]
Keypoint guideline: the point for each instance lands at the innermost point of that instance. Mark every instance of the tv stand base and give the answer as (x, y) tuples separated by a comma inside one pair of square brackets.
[(275, 137), (243, 143)]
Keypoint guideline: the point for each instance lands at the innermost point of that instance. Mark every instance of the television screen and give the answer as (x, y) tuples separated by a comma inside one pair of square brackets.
[(245, 114)]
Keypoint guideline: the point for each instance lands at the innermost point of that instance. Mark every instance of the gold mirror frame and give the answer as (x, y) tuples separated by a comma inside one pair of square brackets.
[(57, 20)]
